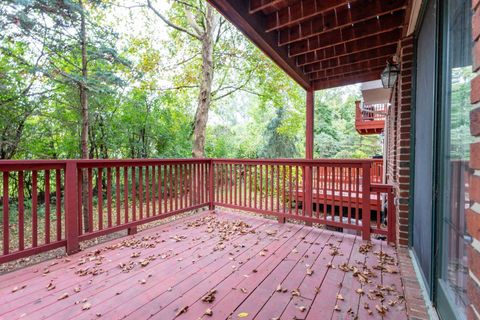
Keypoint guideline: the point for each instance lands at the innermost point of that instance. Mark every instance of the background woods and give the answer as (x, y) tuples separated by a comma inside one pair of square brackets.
[(122, 79)]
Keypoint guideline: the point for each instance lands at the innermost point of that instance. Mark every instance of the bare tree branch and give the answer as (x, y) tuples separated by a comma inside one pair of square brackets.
[(171, 24)]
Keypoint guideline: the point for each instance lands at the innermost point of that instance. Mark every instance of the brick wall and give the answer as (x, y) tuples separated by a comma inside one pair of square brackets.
[(398, 139), (473, 214)]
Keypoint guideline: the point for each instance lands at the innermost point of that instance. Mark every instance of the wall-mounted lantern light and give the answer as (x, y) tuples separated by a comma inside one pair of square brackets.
[(389, 75)]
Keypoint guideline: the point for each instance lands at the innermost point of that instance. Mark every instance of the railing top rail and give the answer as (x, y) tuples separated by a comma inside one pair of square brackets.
[(339, 162)]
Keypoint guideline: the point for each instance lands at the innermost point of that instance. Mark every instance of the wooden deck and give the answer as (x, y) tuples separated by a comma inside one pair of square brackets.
[(253, 268)]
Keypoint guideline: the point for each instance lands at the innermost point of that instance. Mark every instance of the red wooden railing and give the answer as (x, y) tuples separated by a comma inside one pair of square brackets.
[(371, 112), (53, 204)]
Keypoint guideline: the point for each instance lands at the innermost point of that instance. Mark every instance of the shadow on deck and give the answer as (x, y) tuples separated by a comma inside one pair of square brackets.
[(214, 266)]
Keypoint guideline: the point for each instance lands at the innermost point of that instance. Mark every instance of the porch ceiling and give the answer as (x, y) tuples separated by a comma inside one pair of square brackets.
[(322, 43)]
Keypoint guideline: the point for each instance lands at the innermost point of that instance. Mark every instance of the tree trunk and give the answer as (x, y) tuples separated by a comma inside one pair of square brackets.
[(204, 96), (84, 113)]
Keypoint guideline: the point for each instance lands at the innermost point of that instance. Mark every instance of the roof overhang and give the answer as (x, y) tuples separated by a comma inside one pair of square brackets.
[(322, 43)]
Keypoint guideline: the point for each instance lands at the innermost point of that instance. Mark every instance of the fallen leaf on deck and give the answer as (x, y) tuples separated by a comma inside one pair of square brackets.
[(340, 297), (144, 263), (271, 232), (15, 289), (143, 281), (337, 308), (182, 310), (302, 308), (63, 296), (309, 271), (208, 312), (295, 293), (381, 309), (76, 289), (50, 286), (360, 291), (279, 288), (86, 306), (210, 296), (243, 290), (243, 314)]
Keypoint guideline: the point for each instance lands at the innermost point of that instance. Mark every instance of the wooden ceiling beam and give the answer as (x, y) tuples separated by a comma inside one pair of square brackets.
[(335, 39), (384, 51), (350, 47), (345, 80), (252, 25), (333, 12), (317, 28), (269, 6), (363, 66)]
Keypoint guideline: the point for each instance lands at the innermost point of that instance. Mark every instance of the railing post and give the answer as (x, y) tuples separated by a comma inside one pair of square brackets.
[(392, 219), (308, 205), (358, 112), (71, 206), (211, 185), (366, 200)]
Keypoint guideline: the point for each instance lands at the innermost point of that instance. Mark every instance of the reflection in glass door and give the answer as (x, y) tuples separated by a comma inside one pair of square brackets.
[(453, 268)]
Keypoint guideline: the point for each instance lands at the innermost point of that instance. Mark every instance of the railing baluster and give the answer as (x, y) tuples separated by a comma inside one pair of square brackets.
[(21, 211), (100, 199), (6, 215), (47, 206), (140, 192), (90, 200), (134, 193), (109, 197), (125, 192), (34, 207), (58, 203), (117, 193)]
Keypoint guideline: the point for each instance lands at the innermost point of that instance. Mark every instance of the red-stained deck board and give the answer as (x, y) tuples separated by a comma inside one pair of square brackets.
[(261, 261), (174, 286), (194, 289), (280, 275), (273, 307), (56, 271), (104, 293)]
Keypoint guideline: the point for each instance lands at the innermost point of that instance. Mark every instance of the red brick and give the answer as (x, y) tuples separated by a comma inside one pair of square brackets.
[(475, 155), (473, 223), (475, 93), (475, 188), (476, 25), (473, 257), (473, 292), (476, 56), (475, 122)]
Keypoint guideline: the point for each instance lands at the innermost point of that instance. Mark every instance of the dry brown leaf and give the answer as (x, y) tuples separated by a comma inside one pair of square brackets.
[(340, 297), (50, 286), (243, 290), (76, 289), (208, 312), (295, 293), (182, 310), (210, 296), (15, 289), (360, 291), (279, 288), (337, 308), (143, 281), (309, 271), (381, 309), (302, 308), (86, 306), (63, 296)]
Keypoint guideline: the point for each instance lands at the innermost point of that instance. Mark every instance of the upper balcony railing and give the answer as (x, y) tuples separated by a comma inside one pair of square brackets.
[(52, 204), (370, 118)]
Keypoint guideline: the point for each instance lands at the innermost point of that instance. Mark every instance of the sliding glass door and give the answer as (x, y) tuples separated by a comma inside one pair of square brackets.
[(452, 269)]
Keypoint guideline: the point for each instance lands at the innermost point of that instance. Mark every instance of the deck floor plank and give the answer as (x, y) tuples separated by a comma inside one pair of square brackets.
[(244, 268)]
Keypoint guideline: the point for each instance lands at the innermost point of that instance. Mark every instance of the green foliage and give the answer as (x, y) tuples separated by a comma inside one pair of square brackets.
[(143, 85)]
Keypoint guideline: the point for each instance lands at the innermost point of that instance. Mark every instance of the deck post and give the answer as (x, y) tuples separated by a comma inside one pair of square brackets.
[(71, 206), (392, 219), (211, 190), (307, 205), (366, 200)]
